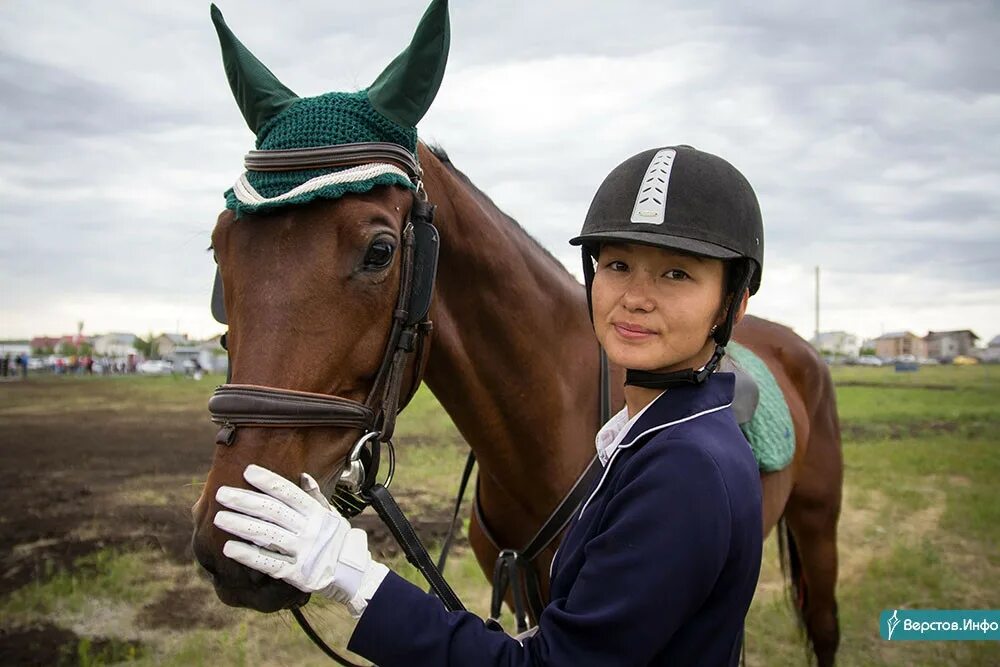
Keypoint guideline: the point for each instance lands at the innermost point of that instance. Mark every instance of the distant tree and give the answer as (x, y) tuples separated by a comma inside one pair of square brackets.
[(868, 351), (67, 349), (86, 349), (43, 350), (146, 346)]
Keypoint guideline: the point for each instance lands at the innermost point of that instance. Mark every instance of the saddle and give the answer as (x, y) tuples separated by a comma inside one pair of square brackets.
[(747, 393), (760, 409)]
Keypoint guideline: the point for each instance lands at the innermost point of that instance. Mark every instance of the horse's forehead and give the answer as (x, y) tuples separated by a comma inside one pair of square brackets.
[(352, 212), (343, 217)]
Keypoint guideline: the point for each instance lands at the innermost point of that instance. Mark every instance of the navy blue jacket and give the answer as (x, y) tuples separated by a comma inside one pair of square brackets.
[(658, 569)]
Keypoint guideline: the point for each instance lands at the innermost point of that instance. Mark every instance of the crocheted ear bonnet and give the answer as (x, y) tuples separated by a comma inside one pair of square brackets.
[(387, 111)]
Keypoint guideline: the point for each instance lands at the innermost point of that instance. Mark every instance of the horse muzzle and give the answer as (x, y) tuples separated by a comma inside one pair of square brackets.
[(240, 586)]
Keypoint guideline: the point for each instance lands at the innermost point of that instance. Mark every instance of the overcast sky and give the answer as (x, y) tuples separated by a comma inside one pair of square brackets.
[(870, 132)]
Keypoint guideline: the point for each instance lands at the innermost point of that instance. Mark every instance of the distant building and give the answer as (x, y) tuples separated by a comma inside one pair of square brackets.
[(991, 353), (49, 342), (838, 343), (167, 344), (115, 345), (946, 345), (897, 343), (15, 348), (44, 342), (182, 353), (212, 357)]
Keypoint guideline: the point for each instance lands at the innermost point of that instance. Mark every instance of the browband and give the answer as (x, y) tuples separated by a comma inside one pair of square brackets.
[(333, 157)]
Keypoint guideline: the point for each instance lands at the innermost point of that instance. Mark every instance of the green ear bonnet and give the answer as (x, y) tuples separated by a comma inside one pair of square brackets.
[(387, 111)]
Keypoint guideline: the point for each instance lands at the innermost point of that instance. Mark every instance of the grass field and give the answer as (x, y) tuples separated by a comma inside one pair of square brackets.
[(920, 526)]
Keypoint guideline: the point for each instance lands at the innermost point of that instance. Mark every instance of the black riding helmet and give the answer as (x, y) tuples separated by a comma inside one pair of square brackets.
[(680, 198)]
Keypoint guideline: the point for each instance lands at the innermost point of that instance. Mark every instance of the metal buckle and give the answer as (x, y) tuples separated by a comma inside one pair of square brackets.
[(354, 477)]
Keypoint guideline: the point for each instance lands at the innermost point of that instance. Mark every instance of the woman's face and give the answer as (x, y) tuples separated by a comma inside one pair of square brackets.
[(654, 308)]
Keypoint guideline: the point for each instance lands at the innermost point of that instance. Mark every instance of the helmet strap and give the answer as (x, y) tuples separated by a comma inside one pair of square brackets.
[(723, 333), (651, 380), (588, 279)]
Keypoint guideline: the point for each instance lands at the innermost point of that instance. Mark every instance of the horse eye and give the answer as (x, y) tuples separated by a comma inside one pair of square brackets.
[(379, 255)]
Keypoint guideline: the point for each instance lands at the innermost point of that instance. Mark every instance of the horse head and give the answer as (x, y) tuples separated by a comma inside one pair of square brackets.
[(326, 257)]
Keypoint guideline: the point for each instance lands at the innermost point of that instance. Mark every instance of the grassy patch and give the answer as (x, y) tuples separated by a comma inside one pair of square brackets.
[(117, 393), (945, 378), (920, 525), (424, 422), (105, 575)]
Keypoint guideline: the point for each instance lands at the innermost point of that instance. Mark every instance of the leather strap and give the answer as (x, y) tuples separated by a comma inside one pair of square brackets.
[(333, 157), (390, 513), (318, 641), (507, 576), (512, 561), (234, 405), (470, 463), (563, 512), (387, 509)]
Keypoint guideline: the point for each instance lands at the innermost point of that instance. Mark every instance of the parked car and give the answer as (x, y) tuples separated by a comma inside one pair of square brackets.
[(869, 360), (156, 367)]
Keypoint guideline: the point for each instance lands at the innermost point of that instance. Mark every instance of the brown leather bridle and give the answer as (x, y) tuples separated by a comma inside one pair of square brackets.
[(235, 406)]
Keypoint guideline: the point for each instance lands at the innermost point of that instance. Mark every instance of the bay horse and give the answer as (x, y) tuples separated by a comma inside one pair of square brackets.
[(513, 361)]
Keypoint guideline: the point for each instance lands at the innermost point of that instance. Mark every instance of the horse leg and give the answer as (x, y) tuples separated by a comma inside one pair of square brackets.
[(812, 514), (775, 489)]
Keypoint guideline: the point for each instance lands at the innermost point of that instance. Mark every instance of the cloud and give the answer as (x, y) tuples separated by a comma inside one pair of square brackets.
[(871, 134)]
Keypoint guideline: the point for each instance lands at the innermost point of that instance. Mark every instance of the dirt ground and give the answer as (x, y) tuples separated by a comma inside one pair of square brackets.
[(79, 481)]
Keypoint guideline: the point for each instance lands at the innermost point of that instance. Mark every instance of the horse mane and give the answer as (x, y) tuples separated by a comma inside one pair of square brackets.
[(439, 152)]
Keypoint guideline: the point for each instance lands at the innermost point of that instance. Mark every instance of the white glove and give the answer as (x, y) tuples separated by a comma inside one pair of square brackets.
[(299, 538)]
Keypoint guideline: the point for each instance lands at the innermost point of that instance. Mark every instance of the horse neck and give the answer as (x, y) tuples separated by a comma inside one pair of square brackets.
[(513, 361)]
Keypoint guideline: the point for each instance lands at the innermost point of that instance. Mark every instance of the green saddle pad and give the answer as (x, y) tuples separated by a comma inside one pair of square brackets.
[(770, 430)]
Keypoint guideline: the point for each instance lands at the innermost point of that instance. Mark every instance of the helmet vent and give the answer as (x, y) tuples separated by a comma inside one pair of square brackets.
[(651, 200)]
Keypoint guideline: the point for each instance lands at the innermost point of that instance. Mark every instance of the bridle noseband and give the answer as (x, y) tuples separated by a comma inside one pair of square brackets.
[(234, 406)]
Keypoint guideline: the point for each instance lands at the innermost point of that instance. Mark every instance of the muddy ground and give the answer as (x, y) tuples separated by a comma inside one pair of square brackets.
[(76, 481)]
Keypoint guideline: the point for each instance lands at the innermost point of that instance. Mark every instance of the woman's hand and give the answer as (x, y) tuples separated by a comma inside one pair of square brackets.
[(298, 537)]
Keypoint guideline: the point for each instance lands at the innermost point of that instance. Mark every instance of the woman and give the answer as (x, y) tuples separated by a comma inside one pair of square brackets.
[(661, 562)]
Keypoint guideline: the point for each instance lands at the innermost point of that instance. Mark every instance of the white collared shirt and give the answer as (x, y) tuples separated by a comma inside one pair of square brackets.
[(615, 430)]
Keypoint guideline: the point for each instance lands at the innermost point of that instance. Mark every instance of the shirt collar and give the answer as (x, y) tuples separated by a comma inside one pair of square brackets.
[(682, 401), (615, 430)]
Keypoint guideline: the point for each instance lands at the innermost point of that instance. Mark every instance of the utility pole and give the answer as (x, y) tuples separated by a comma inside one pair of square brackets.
[(817, 307)]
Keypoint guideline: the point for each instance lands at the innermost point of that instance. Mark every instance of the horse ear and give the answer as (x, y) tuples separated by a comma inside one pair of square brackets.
[(405, 89), (258, 92)]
